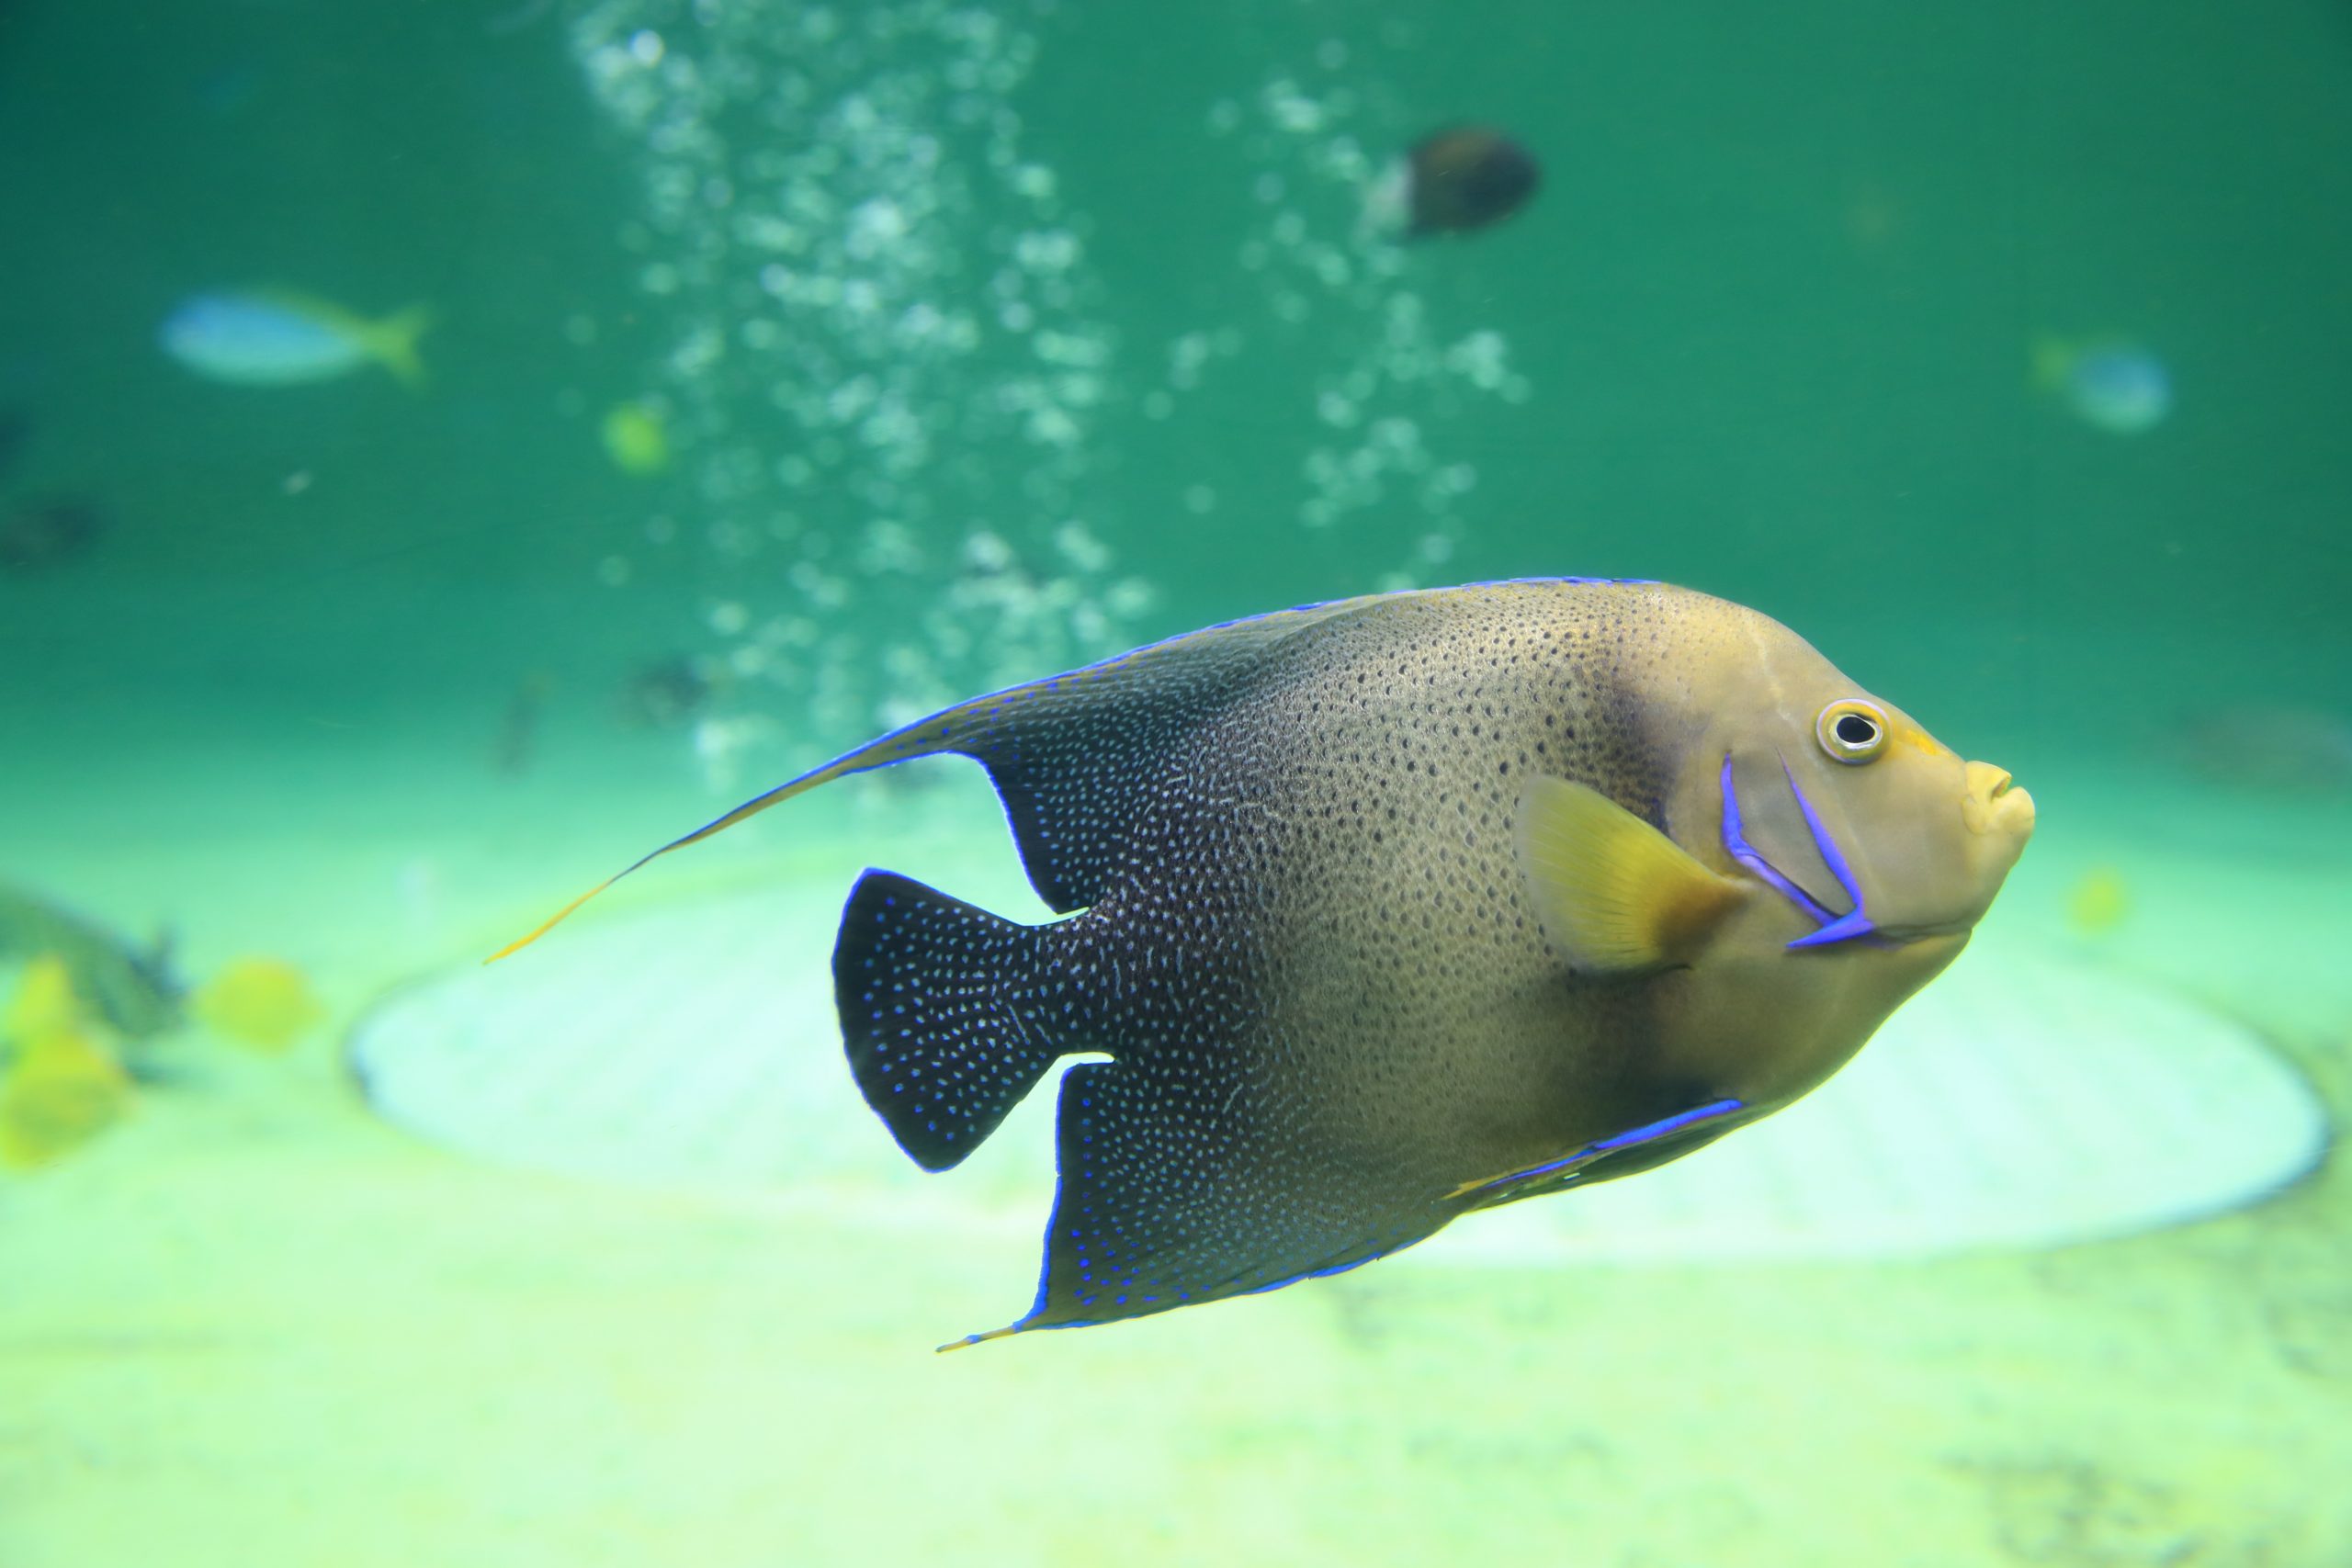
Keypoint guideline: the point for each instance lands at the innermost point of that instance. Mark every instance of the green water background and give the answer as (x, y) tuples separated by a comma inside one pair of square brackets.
[(1729, 389), (1774, 303)]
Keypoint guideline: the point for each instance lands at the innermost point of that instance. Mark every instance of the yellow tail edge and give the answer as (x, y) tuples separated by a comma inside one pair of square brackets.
[(391, 342)]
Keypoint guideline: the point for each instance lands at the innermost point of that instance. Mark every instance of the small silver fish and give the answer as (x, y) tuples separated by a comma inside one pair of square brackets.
[(1395, 907)]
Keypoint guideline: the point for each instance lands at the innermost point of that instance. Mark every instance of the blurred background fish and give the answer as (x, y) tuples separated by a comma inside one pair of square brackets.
[(133, 989), (2114, 384), (276, 338), (263, 1004), (61, 1086), (636, 437), (1454, 181), (43, 533), (15, 429), (2100, 901), (665, 694), (517, 741), (2283, 748)]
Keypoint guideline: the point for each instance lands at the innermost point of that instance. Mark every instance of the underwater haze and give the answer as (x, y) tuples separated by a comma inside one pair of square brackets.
[(450, 450)]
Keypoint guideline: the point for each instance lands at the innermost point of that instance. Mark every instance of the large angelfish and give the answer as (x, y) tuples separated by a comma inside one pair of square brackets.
[(1394, 907)]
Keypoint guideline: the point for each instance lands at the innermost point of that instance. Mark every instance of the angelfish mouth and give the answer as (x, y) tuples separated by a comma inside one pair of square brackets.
[(1831, 928), (1994, 804)]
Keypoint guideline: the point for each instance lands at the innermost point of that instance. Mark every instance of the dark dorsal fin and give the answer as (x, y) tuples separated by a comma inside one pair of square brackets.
[(1072, 754)]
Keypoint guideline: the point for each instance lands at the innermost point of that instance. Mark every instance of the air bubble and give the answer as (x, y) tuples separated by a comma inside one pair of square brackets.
[(821, 189)]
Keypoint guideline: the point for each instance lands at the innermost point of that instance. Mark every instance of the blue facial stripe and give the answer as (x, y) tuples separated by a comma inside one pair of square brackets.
[(1843, 928), (1856, 924), (1834, 927), (1736, 843)]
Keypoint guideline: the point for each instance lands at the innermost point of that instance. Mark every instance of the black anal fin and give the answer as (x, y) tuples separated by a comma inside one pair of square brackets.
[(1169, 1197), (944, 1013)]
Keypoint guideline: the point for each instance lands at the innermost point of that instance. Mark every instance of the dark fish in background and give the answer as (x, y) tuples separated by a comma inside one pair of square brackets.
[(1464, 178), (42, 536), (15, 429), (518, 726), (134, 990), (517, 18), (664, 694), (1395, 908), (2267, 745)]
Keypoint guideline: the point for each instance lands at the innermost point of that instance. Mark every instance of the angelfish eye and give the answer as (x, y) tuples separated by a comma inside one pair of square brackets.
[(1852, 730)]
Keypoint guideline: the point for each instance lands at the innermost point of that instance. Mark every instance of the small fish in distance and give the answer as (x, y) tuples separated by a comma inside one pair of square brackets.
[(278, 338), (1457, 180)]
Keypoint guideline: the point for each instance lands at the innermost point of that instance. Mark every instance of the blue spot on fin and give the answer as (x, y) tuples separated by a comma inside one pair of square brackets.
[(938, 1011)]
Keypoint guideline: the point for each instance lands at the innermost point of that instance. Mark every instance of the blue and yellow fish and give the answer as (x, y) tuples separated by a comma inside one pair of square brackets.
[(2114, 384), (279, 338), (1391, 908)]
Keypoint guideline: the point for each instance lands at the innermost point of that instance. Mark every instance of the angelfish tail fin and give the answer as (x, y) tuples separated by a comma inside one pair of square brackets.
[(942, 1013)]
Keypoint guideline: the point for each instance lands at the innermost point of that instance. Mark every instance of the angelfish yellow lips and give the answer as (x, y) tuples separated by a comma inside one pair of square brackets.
[(1993, 803)]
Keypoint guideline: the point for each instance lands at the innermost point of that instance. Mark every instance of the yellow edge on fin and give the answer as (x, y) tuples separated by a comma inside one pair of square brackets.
[(923, 739), (1615, 895), (751, 808), (971, 1339), (940, 731), (391, 342)]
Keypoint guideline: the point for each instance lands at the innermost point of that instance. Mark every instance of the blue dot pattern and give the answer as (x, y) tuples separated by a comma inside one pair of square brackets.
[(947, 1015), (1302, 936)]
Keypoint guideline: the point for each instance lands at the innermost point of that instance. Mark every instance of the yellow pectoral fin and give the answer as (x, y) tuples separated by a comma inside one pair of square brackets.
[(1615, 895)]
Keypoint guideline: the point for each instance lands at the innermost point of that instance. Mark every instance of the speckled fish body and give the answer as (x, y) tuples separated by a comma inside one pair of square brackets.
[(1395, 907)]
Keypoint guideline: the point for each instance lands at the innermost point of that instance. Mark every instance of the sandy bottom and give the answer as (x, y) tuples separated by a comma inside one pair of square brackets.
[(254, 1327)]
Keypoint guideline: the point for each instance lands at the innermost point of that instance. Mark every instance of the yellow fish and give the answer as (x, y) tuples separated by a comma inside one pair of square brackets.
[(636, 437), (1392, 908), (2099, 902), (61, 1087), (133, 992), (262, 1002)]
